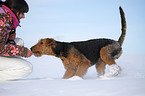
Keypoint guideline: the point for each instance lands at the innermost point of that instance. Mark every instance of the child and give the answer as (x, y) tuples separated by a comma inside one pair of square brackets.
[(11, 11)]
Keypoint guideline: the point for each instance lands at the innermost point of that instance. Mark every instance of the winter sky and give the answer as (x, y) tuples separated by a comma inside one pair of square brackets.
[(77, 20)]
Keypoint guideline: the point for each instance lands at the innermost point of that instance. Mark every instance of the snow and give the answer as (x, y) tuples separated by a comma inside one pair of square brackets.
[(75, 78), (48, 71)]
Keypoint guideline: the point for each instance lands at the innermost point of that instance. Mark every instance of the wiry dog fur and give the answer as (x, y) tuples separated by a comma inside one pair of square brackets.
[(77, 57)]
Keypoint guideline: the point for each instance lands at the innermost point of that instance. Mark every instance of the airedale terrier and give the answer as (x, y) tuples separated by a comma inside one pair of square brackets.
[(77, 57)]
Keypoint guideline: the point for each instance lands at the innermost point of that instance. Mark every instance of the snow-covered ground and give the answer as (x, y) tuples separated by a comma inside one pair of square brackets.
[(48, 70)]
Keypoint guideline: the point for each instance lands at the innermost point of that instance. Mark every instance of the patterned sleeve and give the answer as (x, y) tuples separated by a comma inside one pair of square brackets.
[(9, 49)]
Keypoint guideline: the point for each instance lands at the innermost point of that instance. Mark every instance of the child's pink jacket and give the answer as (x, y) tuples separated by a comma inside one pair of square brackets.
[(8, 22)]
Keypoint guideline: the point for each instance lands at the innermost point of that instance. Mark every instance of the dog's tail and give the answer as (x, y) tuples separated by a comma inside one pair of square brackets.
[(123, 24)]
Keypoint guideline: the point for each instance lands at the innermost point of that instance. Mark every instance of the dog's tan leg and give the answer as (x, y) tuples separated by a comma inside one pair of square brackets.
[(108, 54), (100, 66), (70, 68), (69, 73), (76, 64), (82, 69)]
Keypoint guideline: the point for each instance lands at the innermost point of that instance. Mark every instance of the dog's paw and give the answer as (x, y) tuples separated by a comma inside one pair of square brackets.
[(113, 70)]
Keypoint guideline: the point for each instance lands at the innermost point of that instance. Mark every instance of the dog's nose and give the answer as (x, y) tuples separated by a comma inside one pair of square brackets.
[(31, 48)]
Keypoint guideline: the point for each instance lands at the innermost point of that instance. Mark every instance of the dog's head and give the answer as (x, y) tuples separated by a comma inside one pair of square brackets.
[(44, 46)]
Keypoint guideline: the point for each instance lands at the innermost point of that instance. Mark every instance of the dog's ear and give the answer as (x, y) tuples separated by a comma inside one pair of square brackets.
[(50, 42)]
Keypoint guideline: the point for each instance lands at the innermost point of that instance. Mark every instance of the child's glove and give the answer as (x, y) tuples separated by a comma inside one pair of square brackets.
[(29, 53)]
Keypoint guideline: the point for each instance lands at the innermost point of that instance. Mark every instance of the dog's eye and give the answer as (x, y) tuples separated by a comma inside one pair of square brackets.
[(41, 43)]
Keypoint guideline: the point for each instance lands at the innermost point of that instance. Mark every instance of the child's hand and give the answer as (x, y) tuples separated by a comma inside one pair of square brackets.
[(29, 53)]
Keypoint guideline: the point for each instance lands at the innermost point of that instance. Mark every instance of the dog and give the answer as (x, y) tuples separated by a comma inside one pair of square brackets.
[(77, 57)]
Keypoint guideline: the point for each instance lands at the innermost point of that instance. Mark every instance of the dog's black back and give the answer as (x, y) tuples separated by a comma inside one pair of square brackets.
[(90, 49)]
